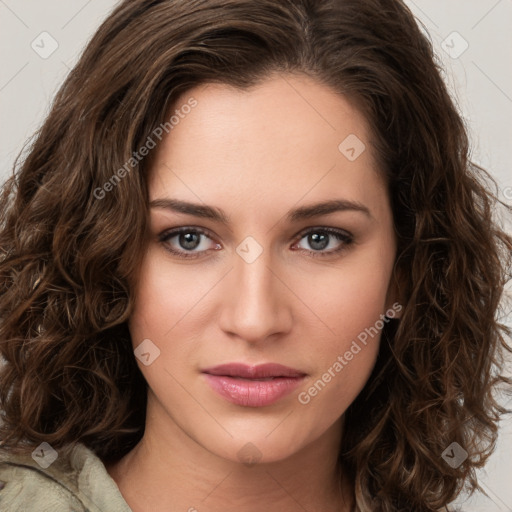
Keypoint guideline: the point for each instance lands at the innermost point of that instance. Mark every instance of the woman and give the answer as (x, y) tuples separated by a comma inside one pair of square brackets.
[(247, 265)]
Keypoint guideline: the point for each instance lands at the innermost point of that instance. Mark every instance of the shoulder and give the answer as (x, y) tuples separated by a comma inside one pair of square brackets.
[(50, 481), (38, 481)]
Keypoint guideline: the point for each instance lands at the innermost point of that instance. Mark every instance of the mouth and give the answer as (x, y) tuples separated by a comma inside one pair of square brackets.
[(265, 371), (253, 386)]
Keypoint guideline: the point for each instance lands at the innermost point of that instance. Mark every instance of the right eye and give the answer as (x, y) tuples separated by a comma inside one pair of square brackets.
[(187, 243)]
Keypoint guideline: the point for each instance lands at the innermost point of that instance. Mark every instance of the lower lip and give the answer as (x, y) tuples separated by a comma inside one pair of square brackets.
[(252, 393)]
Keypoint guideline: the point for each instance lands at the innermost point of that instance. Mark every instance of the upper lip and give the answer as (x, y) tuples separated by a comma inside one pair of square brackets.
[(254, 372)]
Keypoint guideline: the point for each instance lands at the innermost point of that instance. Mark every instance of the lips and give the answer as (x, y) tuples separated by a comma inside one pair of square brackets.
[(253, 386), (261, 371)]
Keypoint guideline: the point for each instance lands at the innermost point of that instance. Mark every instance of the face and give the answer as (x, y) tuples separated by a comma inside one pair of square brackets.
[(259, 273)]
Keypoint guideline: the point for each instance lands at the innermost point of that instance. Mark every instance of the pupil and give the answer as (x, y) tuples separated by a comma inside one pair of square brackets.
[(318, 241), (189, 240)]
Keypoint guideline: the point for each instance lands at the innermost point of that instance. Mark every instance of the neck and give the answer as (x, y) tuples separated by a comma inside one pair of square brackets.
[(168, 470)]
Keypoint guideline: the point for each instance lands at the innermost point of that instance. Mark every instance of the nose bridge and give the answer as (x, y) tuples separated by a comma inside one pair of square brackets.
[(254, 281), (255, 305)]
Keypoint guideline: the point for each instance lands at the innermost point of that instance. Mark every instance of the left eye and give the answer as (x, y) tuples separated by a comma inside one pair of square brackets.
[(320, 239), (190, 244)]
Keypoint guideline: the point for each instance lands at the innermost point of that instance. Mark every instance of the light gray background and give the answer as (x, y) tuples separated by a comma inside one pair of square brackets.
[(479, 76)]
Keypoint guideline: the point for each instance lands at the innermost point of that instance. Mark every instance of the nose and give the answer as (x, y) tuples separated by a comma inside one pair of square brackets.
[(256, 301)]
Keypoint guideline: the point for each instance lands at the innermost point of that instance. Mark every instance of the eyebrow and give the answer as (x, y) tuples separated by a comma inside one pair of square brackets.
[(298, 214)]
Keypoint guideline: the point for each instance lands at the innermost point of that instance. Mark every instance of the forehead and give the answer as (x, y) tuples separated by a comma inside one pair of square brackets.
[(284, 139)]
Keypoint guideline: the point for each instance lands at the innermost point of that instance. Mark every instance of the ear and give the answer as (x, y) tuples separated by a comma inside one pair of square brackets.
[(395, 302)]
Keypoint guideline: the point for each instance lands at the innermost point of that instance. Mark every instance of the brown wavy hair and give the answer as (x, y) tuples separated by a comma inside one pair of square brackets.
[(69, 261)]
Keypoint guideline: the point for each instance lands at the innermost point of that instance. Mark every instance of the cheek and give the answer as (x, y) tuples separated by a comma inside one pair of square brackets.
[(168, 297), (350, 304), (164, 313), (328, 395), (346, 354), (348, 297)]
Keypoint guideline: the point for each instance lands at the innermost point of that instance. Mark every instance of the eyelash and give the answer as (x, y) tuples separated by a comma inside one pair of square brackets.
[(342, 236)]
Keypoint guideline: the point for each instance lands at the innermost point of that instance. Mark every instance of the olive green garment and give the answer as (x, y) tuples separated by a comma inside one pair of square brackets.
[(76, 483)]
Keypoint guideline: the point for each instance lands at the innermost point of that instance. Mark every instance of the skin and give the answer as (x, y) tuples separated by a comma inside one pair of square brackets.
[(256, 154)]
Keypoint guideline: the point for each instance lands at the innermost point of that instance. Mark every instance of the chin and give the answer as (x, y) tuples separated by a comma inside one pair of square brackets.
[(258, 445)]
